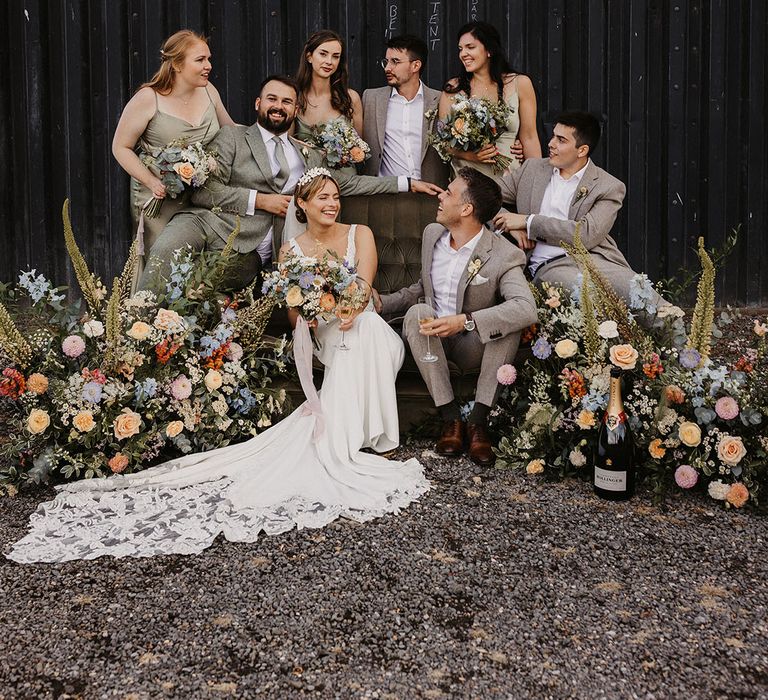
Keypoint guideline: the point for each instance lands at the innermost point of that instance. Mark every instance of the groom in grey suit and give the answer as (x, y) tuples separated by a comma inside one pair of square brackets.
[(482, 301), (555, 194), (394, 125), (258, 168)]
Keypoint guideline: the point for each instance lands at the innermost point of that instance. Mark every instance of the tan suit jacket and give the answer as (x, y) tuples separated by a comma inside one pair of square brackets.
[(498, 296), (375, 103), (596, 210), (243, 165)]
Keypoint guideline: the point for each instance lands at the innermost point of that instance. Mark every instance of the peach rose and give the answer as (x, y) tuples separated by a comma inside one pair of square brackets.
[(294, 297), (458, 126), (737, 495), (213, 380), (84, 422), (357, 154), (118, 463), (689, 434), (126, 424), (535, 466), (37, 383), (566, 348), (623, 356), (139, 330), (656, 449), (327, 302), (168, 321), (731, 450), (38, 421), (185, 171), (174, 428), (586, 420)]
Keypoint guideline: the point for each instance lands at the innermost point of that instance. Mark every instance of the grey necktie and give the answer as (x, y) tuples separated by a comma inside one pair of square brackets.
[(282, 174)]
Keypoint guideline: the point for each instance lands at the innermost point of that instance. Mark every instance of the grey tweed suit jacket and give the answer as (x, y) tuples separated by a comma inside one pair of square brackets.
[(596, 209), (498, 296), (375, 103), (243, 165)]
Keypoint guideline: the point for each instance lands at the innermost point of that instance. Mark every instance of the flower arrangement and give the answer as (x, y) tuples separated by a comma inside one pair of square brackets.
[(340, 142), (471, 123), (131, 380), (695, 421), (314, 286), (179, 165)]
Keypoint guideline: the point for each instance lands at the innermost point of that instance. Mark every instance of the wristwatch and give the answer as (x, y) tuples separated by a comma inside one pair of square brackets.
[(469, 324)]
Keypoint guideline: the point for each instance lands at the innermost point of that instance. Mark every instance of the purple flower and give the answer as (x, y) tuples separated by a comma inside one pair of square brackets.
[(92, 392), (305, 279), (686, 476), (541, 348), (689, 358)]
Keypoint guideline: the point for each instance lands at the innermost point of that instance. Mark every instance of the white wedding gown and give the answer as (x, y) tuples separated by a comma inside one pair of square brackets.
[(284, 477)]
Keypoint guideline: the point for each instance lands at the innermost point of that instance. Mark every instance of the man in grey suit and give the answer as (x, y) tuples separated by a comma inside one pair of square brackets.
[(554, 194), (258, 168), (482, 301), (394, 125)]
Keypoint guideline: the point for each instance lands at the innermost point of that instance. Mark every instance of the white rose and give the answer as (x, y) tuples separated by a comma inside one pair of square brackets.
[(608, 329), (566, 348), (93, 329)]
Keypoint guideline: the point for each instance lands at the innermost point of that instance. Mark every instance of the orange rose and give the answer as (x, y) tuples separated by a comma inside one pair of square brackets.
[(185, 171), (737, 495), (656, 449), (458, 126), (327, 302), (126, 424), (118, 463), (623, 356), (731, 450), (37, 383), (84, 422), (357, 154)]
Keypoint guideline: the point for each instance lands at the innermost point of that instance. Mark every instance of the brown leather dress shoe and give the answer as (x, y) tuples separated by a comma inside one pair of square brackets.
[(451, 442), (480, 451)]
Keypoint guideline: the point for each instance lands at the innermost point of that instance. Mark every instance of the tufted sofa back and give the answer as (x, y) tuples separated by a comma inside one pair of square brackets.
[(397, 222)]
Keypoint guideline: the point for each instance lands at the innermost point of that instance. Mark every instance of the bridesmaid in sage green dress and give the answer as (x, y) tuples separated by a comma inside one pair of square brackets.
[(178, 102)]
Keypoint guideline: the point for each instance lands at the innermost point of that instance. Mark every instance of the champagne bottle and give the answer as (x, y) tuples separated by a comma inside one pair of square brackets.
[(614, 475)]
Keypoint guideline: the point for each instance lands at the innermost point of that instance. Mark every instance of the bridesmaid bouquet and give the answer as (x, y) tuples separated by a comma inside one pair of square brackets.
[(315, 286), (179, 165), (340, 142), (471, 123)]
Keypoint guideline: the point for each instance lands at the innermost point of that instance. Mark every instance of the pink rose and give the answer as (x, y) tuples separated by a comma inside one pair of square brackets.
[(727, 408), (506, 375), (73, 346), (686, 476)]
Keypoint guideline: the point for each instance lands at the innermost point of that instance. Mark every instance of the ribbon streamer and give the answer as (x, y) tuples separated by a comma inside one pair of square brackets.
[(140, 229), (302, 353)]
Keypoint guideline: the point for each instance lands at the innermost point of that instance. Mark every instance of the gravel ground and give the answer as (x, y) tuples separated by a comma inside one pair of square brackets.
[(493, 585)]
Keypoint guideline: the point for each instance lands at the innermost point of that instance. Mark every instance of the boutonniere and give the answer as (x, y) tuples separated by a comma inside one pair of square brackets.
[(583, 191), (473, 268), (305, 151)]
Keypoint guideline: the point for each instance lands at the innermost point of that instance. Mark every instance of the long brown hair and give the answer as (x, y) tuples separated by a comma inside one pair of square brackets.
[(172, 53), (340, 99)]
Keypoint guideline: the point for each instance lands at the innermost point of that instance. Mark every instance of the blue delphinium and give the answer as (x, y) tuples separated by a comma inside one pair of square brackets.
[(244, 401)]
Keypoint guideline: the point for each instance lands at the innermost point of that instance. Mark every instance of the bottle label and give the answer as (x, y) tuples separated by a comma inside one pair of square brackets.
[(610, 480)]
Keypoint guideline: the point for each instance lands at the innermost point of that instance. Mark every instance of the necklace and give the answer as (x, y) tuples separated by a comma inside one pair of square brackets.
[(186, 102)]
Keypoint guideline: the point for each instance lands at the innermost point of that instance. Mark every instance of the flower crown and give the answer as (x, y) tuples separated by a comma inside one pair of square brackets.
[(311, 174)]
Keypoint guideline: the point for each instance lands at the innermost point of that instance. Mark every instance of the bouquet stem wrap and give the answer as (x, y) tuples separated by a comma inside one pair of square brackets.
[(302, 351)]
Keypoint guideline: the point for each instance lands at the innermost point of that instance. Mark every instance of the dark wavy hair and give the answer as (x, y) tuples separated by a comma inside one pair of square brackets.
[(483, 193), (340, 98), (490, 38)]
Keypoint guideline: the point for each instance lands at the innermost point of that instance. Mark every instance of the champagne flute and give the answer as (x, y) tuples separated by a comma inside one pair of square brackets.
[(351, 300), (344, 311), (427, 314)]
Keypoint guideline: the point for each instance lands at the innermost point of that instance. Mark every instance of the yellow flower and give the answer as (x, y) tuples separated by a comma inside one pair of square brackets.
[(586, 420), (623, 356), (566, 348), (139, 330), (174, 428), (213, 380), (731, 450), (126, 424), (535, 466), (656, 449), (84, 422), (689, 434), (38, 421), (294, 297)]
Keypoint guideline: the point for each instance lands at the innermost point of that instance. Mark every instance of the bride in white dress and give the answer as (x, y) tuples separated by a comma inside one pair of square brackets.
[(306, 471)]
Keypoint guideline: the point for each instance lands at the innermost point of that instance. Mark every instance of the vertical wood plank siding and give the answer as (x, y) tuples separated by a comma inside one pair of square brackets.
[(680, 86)]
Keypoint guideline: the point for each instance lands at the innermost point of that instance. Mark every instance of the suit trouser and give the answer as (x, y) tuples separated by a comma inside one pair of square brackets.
[(464, 349), (186, 229)]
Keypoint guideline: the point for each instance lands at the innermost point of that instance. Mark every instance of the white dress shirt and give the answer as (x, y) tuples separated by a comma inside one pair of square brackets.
[(447, 266), (555, 203), (401, 151), (296, 167)]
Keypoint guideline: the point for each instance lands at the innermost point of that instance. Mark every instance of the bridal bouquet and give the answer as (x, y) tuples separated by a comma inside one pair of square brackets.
[(695, 420), (314, 286), (179, 165), (340, 142), (471, 123)]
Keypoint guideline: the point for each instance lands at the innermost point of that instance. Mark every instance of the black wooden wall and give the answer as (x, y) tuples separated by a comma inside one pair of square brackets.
[(681, 86)]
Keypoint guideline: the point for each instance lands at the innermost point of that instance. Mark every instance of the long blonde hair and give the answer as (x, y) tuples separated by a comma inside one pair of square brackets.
[(172, 53)]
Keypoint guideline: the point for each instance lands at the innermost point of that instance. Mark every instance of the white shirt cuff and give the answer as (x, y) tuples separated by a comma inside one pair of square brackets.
[(251, 210), (528, 223), (402, 183)]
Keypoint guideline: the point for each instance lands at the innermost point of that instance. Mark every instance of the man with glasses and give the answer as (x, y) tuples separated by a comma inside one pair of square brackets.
[(393, 116)]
